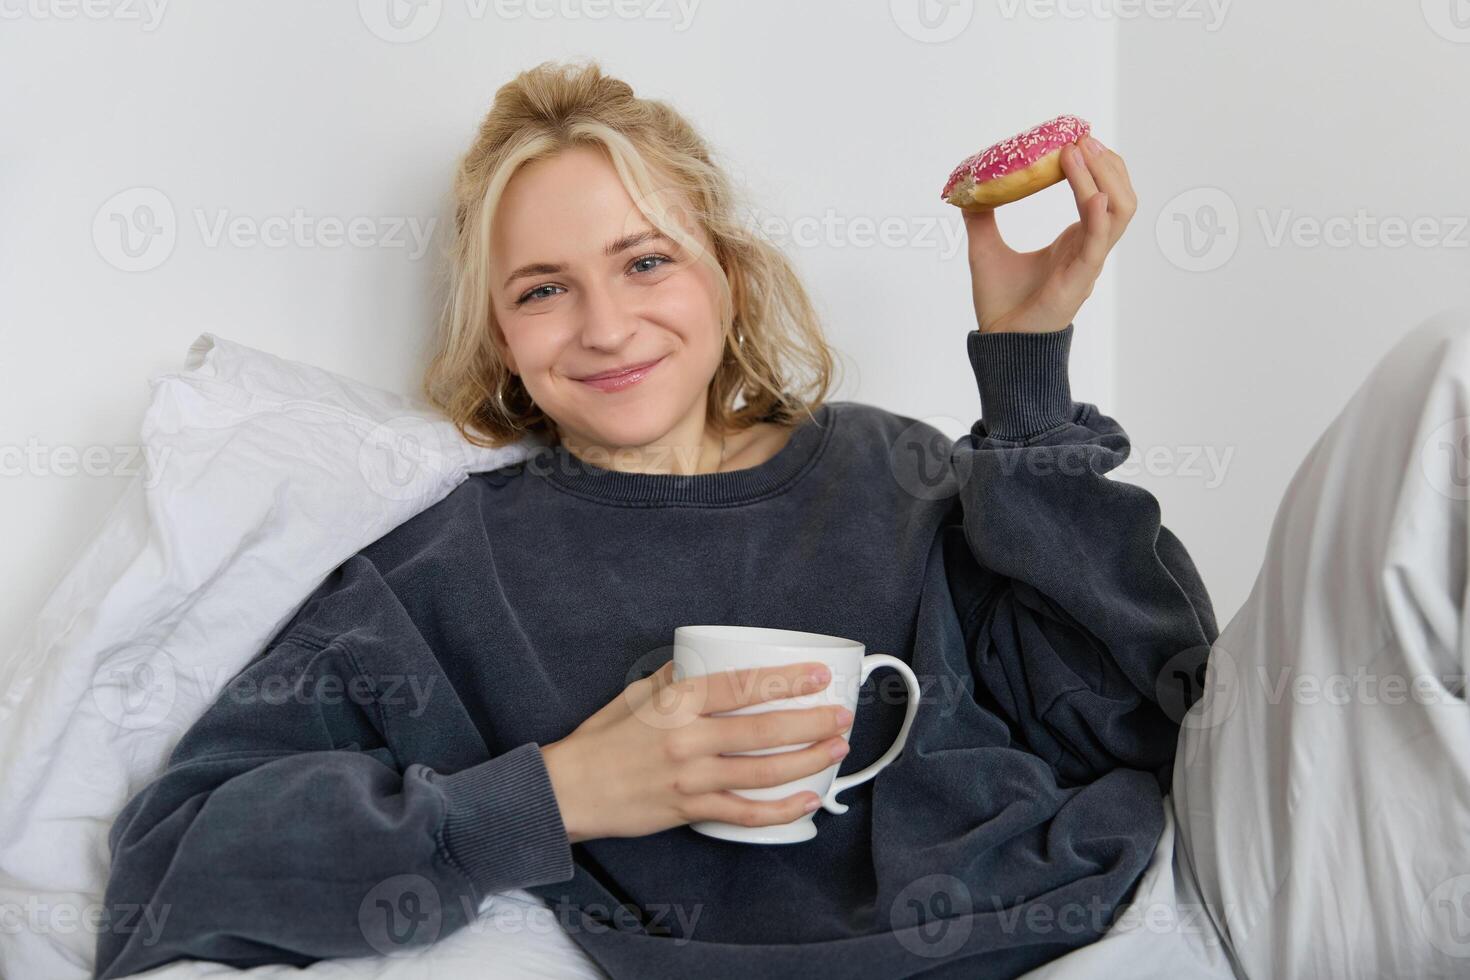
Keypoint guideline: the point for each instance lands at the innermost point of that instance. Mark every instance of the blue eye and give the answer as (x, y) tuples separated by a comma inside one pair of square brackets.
[(533, 294), (647, 258)]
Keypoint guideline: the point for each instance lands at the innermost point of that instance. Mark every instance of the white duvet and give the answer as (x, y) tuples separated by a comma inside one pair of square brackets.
[(262, 476)]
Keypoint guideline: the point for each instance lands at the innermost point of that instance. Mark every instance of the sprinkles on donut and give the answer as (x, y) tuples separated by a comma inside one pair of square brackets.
[(1013, 168)]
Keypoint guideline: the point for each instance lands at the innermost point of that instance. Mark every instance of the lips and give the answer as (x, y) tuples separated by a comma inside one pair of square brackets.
[(613, 374), (615, 380)]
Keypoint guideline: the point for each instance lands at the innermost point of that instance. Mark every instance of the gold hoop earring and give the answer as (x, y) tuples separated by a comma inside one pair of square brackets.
[(739, 344), (500, 403)]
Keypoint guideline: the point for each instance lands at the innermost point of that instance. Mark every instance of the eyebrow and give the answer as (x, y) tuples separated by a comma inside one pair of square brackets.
[(612, 248)]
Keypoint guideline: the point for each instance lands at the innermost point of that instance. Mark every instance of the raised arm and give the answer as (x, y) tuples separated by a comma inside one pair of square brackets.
[(288, 828), (1087, 623)]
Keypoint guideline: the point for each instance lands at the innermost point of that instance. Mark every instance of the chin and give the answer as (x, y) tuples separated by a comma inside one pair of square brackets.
[(635, 423)]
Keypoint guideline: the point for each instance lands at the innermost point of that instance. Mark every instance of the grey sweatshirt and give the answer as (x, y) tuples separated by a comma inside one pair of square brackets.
[(375, 772)]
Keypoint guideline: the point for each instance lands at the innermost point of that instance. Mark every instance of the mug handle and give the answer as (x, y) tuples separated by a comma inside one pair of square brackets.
[(870, 663)]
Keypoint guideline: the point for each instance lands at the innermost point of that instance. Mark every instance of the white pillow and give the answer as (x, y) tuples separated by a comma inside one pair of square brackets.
[(261, 476)]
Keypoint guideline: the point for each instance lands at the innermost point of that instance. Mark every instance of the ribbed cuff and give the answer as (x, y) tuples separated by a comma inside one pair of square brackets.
[(502, 823), (1024, 389)]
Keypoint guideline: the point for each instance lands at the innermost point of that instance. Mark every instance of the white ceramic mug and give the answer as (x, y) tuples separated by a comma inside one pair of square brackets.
[(702, 650)]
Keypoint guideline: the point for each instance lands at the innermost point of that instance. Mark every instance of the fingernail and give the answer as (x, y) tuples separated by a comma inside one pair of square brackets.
[(810, 805), (839, 749), (843, 716), (819, 676), (1093, 146)]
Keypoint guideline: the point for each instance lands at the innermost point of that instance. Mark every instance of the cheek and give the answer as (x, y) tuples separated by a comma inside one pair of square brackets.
[(532, 342), (691, 306)]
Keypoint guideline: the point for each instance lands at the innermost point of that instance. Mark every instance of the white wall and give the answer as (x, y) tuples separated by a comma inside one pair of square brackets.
[(1228, 363), (1298, 113), (830, 112)]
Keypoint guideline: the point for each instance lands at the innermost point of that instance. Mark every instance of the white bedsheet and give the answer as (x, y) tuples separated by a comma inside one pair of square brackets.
[(264, 474), (268, 474)]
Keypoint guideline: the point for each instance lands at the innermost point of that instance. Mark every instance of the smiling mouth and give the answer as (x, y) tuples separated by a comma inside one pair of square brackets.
[(601, 375), (622, 379)]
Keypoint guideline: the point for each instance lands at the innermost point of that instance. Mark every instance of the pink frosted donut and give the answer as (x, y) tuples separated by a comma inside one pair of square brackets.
[(1014, 168)]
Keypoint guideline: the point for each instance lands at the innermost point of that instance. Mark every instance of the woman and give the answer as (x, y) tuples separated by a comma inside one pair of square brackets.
[(1059, 631), (1036, 602)]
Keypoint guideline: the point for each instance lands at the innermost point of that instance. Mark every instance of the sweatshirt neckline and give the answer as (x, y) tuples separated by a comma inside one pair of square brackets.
[(564, 470)]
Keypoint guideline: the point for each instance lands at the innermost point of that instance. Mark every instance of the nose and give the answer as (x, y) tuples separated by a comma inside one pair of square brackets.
[(606, 325)]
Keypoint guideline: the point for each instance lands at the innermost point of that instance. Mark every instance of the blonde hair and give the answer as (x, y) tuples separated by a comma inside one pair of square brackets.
[(775, 354)]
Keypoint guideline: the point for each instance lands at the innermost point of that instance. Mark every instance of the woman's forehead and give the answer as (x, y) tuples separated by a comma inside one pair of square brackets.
[(574, 207)]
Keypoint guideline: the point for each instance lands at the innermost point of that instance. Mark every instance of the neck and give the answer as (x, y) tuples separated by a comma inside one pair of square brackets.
[(703, 453), (736, 485)]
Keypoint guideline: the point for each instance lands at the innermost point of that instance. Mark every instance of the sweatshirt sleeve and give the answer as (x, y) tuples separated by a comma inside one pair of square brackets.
[(285, 827), (1086, 623)]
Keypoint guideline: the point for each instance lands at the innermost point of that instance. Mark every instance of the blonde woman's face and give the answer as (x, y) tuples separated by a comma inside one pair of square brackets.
[(584, 284)]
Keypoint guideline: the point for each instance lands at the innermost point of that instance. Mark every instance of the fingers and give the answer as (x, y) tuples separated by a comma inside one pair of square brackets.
[(732, 808), (775, 768), (730, 689), (1097, 237), (1079, 176), (662, 677), (1110, 176), (982, 232), (1105, 202), (768, 729), (654, 686), (721, 772)]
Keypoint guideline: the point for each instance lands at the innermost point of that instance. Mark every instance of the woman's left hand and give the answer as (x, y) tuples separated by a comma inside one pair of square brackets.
[(1040, 291)]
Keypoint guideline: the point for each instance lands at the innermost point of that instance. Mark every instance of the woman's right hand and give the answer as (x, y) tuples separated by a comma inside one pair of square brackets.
[(650, 759)]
